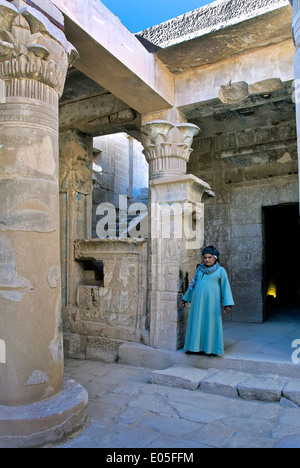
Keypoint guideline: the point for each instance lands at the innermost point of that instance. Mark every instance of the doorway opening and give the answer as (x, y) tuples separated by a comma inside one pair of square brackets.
[(281, 262)]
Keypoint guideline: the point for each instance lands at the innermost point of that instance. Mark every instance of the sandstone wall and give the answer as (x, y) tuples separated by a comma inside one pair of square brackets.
[(247, 170)]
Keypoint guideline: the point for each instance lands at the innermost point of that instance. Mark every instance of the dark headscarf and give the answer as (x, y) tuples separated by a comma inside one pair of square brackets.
[(211, 250)]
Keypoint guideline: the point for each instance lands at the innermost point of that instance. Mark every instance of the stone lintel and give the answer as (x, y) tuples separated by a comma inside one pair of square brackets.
[(94, 249), (114, 58), (97, 115)]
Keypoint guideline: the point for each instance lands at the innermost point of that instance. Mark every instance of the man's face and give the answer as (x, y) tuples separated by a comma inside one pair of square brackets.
[(209, 260)]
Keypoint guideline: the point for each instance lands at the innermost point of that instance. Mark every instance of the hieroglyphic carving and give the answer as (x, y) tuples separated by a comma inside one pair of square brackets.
[(115, 312), (115, 303)]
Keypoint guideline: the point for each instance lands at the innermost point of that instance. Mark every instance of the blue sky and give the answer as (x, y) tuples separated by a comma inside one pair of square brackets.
[(137, 15)]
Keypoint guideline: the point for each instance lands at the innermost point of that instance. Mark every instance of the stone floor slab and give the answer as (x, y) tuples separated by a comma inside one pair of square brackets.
[(181, 377), (157, 416), (224, 383), (174, 427), (291, 442), (263, 388), (292, 391)]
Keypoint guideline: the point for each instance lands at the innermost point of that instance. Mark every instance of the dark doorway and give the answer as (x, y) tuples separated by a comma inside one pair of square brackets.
[(282, 260)]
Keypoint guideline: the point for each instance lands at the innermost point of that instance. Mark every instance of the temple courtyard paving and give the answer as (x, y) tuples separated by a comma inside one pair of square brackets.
[(127, 411)]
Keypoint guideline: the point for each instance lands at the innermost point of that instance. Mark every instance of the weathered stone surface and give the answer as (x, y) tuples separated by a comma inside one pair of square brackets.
[(181, 377), (207, 19), (224, 383), (123, 58), (98, 115), (48, 56), (233, 92), (139, 355), (12, 286), (266, 86), (168, 147), (37, 378), (123, 403), (115, 311), (102, 349), (290, 442), (75, 167), (46, 422), (34, 58), (255, 170), (262, 388), (71, 344), (292, 391), (286, 403)]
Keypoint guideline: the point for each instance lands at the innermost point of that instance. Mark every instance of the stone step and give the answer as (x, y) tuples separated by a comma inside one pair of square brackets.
[(232, 384), (139, 355)]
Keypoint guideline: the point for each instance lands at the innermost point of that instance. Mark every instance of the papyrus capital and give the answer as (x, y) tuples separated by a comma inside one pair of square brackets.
[(31, 47)]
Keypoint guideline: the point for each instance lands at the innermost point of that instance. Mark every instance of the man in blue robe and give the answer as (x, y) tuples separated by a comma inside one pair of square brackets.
[(208, 290)]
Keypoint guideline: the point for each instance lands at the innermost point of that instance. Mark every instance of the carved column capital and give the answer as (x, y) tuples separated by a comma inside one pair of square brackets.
[(167, 147), (32, 49)]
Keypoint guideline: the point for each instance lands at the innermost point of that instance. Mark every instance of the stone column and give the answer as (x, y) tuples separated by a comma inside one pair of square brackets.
[(34, 58), (176, 227), (296, 32)]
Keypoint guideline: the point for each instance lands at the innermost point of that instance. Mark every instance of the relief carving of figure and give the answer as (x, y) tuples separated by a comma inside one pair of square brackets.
[(75, 169)]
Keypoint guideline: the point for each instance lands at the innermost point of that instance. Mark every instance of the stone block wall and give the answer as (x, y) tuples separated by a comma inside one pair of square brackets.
[(247, 170)]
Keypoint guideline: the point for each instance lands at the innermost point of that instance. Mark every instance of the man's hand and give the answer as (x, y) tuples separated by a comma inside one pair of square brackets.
[(182, 304), (227, 310)]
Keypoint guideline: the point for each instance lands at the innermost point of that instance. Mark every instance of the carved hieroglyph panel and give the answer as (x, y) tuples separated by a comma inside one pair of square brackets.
[(117, 302)]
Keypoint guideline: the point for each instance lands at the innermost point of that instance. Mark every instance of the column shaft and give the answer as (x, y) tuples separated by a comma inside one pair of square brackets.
[(33, 66)]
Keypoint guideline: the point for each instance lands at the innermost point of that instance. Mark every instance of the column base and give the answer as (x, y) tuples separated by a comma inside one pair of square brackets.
[(45, 422)]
